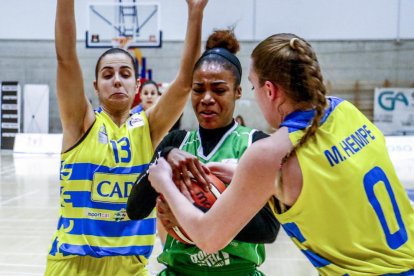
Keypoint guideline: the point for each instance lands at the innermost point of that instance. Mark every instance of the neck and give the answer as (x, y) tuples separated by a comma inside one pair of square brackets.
[(118, 117), (210, 137)]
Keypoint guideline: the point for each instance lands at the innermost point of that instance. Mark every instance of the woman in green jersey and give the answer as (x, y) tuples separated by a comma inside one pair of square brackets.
[(219, 141)]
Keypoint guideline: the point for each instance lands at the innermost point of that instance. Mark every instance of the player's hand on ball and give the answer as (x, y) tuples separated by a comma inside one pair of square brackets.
[(224, 171), (167, 218), (184, 165), (160, 174)]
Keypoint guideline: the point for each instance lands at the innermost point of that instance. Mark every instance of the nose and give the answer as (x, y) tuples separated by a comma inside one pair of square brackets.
[(207, 98), (117, 80)]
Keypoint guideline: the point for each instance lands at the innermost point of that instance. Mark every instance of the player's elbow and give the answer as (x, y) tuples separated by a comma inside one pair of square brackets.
[(135, 213), (212, 245)]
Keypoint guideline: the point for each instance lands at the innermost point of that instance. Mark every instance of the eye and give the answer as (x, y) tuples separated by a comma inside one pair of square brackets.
[(220, 90), (126, 74), (252, 87), (198, 90)]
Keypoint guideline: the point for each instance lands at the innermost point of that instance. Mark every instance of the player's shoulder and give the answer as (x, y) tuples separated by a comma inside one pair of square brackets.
[(270, 149)]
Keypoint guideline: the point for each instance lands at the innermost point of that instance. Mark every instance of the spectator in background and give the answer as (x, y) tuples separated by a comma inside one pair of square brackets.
[(148, 95), (239, 119)]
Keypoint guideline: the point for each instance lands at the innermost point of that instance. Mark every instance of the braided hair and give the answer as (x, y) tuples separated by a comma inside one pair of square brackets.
[(290, 62)]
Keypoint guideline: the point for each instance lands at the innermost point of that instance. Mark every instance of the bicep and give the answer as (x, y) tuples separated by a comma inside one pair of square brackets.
[(76, 113)]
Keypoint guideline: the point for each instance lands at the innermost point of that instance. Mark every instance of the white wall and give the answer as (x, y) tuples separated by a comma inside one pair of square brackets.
[(255, 19)]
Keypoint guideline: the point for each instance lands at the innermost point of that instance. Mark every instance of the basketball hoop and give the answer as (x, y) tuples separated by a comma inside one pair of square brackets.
[(122, 42)]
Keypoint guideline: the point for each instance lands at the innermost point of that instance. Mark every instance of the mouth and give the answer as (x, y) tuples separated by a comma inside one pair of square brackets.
[(119, 95), (208, 114)]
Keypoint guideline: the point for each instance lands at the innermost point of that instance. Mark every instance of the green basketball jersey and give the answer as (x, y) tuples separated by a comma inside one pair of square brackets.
[(237, 258)]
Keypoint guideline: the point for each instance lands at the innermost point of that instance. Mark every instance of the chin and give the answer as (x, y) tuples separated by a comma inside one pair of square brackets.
[(209, 124)]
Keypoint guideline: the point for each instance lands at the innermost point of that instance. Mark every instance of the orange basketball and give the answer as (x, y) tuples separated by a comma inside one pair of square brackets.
[(203, 199)]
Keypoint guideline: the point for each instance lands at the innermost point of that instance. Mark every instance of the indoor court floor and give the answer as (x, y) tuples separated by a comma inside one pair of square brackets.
[(29, 200)]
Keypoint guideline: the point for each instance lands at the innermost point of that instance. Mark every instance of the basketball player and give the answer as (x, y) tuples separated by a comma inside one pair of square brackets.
[(216, 87), (340, 199), (148, 94), (105, 150)]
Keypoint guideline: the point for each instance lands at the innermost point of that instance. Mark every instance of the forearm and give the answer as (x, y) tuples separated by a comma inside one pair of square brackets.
[(170, 106), (65, 30), (263, 228), (192, 45), (142, 199)]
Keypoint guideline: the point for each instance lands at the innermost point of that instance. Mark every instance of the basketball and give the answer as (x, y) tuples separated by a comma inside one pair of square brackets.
[(203, 199)]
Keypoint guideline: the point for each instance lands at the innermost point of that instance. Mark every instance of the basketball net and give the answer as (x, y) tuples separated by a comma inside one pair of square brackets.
[(122, 42)]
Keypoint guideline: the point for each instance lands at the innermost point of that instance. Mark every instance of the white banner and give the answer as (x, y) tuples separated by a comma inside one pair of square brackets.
[(401, 151), (394, 110)]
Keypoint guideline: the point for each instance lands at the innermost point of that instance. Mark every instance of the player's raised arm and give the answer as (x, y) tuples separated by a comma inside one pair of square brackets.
[(75, 110), (170, 106)]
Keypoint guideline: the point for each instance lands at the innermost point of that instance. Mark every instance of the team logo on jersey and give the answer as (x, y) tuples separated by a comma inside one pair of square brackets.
[(112, 188), (103, 135), (120, 215), (96, 215), (135, 120), (218, 259)]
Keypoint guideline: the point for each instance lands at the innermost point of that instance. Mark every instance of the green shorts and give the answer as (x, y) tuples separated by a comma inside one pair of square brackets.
[(191, 271)]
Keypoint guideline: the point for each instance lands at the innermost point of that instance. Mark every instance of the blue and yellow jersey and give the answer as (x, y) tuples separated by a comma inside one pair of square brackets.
[(353, 216), (96, 177)]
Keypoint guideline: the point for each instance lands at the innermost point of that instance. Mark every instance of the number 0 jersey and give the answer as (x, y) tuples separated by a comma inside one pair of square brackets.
[(353, 216), (96, 177)]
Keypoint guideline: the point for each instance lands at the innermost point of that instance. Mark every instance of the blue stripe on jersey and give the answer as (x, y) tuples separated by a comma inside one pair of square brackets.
[(103, 228), (316, 260), (293, 231), (99, 251), (53, 249), (85, 171), (81, 199), (299, 120)]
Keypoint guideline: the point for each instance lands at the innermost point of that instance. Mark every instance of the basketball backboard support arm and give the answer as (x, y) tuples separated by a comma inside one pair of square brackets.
[(109, 21)]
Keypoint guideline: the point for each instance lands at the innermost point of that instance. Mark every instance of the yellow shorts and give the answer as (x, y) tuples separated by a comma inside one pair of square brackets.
[(89, 266)]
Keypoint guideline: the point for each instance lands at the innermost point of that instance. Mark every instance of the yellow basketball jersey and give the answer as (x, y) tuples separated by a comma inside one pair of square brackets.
[(353, 216), (96, 178)]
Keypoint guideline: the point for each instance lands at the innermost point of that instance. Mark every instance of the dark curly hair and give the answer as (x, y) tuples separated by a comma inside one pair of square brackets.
[(227, 44)]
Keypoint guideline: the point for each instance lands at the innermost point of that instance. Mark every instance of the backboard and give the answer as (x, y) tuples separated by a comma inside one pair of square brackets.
[(123, 24)]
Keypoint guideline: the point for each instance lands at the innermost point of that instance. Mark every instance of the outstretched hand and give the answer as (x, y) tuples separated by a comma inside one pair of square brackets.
[(201, 4)]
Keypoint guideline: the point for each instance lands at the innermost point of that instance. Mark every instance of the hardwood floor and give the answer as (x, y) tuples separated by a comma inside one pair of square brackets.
[(29, 200)]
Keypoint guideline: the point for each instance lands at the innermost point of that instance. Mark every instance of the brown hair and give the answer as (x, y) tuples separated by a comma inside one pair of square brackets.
[(219, 40), (111, 52), (290, 62)]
